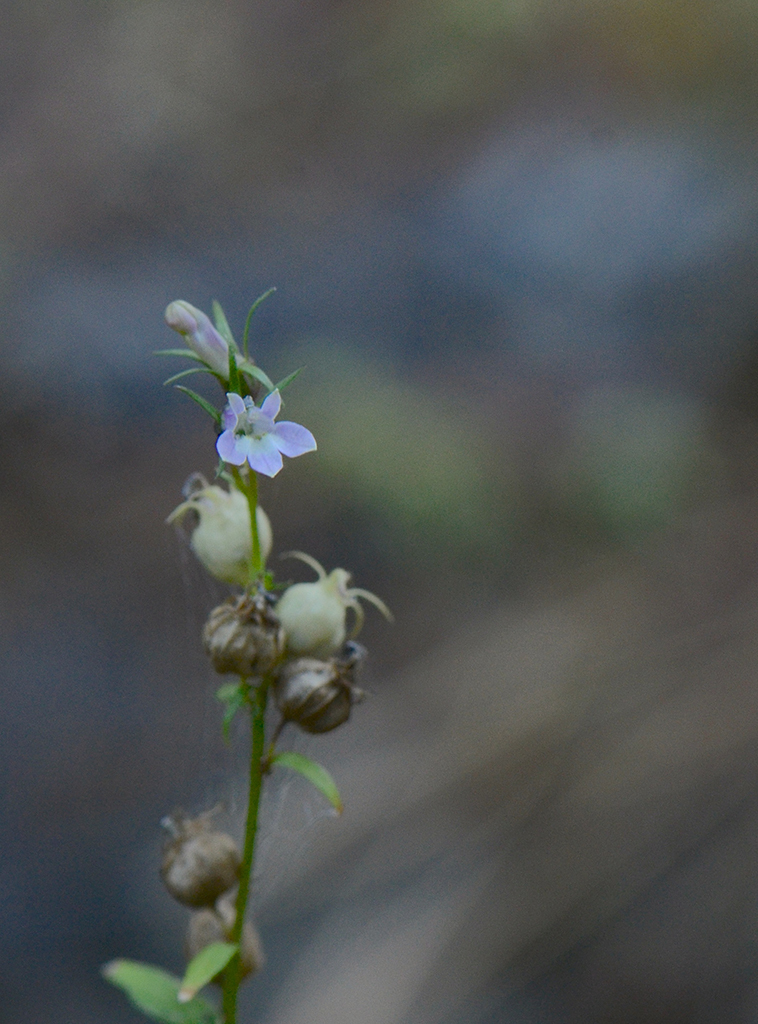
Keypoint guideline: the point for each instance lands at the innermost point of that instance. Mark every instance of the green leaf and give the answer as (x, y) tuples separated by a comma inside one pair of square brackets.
[(253, 308), (314, 773), (234, 376), (288, 379), (156, 992), (203, 403), (179, 352), (255, 371), (204, 968), (186, 373), (234, 696), (222, 324)]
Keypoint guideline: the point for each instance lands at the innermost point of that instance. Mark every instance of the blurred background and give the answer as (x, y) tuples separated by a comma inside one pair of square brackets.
[(515, 248)]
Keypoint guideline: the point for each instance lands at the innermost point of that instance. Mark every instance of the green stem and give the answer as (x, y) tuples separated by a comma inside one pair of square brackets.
[(248, 484), (259, 697)]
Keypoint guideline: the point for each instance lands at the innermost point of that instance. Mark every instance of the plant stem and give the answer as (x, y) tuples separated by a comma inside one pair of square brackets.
[(248, 484), (259, 696)]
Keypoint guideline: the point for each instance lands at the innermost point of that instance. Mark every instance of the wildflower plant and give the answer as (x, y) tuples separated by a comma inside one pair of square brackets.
[(288, 645)]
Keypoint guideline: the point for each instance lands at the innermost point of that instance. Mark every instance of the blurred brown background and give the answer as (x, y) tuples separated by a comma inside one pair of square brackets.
[(515, 244)]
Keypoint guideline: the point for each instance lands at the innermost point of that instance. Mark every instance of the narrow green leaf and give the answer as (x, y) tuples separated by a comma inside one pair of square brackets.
[(222, 324), (156, 993), (288, 379), (234, 376), (253, 308), (204, 968), (316, 774), (203, 403), (234, 697), (255, 371), (186, 373), (228, 692), (179, 352)]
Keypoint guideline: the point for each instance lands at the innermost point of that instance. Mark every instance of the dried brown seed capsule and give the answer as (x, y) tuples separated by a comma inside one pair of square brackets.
[(318, 695), (244, 636), (199, 864), (207, 926)]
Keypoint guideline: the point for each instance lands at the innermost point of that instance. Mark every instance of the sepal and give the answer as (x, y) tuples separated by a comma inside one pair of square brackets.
[(258, 301), (222, 324), (212, 411)]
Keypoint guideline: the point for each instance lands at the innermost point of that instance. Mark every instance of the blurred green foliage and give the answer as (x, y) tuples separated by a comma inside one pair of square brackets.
[(422, 465), (633, 460), (434, 476)]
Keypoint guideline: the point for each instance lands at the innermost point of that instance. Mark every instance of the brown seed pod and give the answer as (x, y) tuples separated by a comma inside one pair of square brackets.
[(318, 695), (207, 926), (199, 864), (244, 636)]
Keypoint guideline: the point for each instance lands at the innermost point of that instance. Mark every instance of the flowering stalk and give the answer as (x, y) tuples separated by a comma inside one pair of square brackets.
[(295, 647), (258, 700)]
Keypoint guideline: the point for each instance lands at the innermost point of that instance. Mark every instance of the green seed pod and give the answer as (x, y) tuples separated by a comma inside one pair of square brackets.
[(222, 540), (314, 614), (318, 695), (244, 636), (199, 864), (215, 925)]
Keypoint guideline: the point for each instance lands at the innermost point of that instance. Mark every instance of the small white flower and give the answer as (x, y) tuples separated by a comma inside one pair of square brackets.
[(250, 434)]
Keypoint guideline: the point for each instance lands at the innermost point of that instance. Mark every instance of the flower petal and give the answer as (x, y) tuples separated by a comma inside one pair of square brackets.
[(230, 448), (291, 439), (271, 405), (236, 403), (264, 456), (179, 318)]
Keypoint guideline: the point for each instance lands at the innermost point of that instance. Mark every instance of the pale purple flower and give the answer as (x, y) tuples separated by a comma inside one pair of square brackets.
[(200, 334), (251, 435)]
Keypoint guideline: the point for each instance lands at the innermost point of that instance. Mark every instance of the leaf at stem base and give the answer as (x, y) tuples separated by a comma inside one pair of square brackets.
[(204, 967), (156, 993)]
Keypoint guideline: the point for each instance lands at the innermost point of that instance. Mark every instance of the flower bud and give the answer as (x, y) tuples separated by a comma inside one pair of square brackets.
[(199, 864), (207, 926), (314, 615), (200, 335), (244, 636), (318, 695), (222, 539)]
